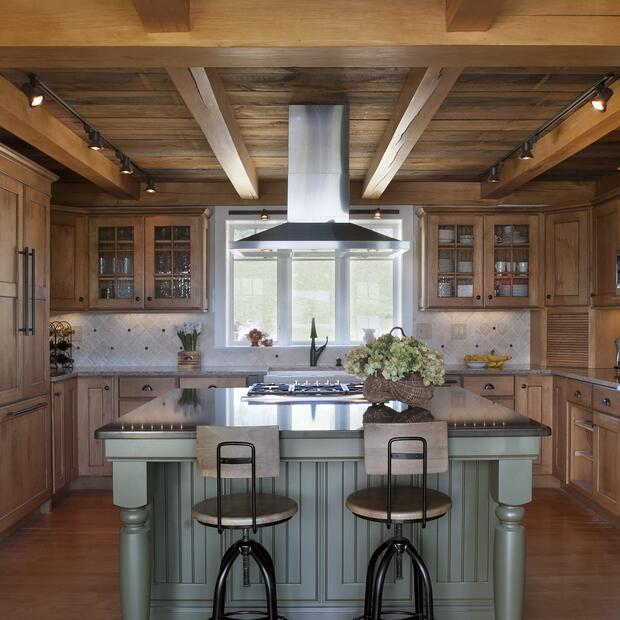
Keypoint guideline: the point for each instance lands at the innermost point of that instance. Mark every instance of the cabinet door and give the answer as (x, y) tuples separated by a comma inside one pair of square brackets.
[(68, 262), (606, 483), (173, 262), (25, 459), (36, 238), (11, 273), (560, 429), (454, 261), (605, 225), (567, 259), (96, 407), (512, 256), (116, 248), (535, 400), (58, 437)]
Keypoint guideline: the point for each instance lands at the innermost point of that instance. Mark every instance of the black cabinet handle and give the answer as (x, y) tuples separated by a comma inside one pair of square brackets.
[(147, 388), (490, 296), (33, 311), (548, 296), (149, 299), (80, 299), (137, 299), (577, 393), (25, 254), (106, 387), (488, 386), (478, 297), (606, 402), (212, 386), (15, 414), (523, 386)]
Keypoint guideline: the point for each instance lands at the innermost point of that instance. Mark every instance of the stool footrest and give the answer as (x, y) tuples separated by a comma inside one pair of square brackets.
[(243, 614), (407, 615)]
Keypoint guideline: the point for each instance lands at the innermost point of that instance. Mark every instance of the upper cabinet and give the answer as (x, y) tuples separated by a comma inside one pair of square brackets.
[(605, 240), (128, 263), (69, 243), (567, 281), (476, 261)]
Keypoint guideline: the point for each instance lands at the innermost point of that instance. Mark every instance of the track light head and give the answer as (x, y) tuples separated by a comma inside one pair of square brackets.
[(526, 151), (94, 140), (601, 97), (377, 214), (35, 97), (493, 176), (150, 186), (264, 215), (126, 167)]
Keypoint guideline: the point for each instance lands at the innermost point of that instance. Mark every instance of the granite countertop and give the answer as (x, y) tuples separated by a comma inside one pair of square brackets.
[(177, 414)]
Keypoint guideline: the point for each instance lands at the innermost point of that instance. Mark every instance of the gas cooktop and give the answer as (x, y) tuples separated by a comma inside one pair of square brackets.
[(314, 390)]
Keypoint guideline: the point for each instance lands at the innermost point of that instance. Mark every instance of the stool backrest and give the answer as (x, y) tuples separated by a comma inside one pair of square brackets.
[(377, 438), (237, 447)]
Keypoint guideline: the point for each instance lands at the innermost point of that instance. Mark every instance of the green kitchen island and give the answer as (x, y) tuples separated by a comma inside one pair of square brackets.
[(476, 554)]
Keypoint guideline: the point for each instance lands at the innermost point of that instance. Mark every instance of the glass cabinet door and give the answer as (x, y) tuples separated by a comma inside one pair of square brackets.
[(173, 262), (512, 260), (455, 261), (116, 262)]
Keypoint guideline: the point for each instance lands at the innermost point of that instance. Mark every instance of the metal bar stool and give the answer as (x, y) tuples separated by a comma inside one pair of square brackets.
[(401, 449), (242, 453)]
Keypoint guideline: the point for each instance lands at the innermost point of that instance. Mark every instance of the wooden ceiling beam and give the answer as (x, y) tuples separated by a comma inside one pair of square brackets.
[(204, 94), (471, 15), (164, 15), (575, 133), (45, 132), (422, 95)]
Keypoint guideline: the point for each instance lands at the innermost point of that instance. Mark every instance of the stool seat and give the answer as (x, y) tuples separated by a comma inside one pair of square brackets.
[(237, 510), (406, 504)]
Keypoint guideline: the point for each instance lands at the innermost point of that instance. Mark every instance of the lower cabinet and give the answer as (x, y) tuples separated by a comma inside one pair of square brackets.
[(25, 459), (201, 383), (96, 406), (606, 458), (64, 433)]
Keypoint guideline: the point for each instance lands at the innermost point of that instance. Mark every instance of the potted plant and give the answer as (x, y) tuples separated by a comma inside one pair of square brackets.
[(189, 357), (403, 369)]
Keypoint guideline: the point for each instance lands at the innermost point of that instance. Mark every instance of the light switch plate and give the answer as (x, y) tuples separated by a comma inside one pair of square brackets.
[(424, 331), (459, 331)]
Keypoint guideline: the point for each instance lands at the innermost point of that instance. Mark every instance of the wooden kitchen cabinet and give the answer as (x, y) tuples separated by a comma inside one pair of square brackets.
[(96, 407), (605, 244), (512, 261), (454, 261), (69, 260), (136, 391), (534, 399), (25, 459), (567, 260), (606, 474), (64, 433), (115, 272)]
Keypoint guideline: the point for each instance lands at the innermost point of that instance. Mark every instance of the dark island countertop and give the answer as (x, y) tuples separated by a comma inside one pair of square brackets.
[(177, 413)]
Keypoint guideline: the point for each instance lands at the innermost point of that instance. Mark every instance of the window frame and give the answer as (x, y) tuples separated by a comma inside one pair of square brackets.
[(224, 274)]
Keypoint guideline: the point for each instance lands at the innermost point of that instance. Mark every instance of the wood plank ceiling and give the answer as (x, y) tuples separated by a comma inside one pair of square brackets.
[(488, 112)]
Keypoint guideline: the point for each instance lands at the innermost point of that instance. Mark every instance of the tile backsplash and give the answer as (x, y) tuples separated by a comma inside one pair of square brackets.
[(117, 339)]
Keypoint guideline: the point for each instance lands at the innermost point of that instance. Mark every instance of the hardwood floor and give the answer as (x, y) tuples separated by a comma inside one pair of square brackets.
[(63, 566)]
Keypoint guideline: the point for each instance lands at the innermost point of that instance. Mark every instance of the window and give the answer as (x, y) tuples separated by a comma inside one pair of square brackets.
[(281, 292)]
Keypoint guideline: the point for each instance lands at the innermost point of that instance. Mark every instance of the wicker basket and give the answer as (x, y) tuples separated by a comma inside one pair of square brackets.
[(411, 390)]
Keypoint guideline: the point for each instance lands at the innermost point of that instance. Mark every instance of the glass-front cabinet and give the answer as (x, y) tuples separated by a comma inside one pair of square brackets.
[(511, 260), (115, 269), (173, 257), (455, 261)]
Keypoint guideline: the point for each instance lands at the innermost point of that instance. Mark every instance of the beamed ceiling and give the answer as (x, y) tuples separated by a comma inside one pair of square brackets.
[(488, 112)]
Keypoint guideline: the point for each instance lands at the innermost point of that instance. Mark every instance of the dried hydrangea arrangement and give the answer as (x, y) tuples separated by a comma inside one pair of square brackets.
[(396, 359)]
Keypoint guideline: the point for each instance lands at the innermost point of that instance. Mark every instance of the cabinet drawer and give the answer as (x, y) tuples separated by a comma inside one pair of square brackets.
[(606, 400), (490, 385), (127, 405), (579, 392), (453, 380), (202, 383), (504, 402), (145, 387)]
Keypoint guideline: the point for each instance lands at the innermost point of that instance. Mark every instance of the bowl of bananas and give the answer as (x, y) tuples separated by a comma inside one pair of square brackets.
[(486, 360)]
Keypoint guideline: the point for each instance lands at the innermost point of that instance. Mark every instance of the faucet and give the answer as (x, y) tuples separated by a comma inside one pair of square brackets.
[(315, 352)]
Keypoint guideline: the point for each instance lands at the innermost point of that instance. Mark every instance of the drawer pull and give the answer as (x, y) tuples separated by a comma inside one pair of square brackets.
[(106, 387), (523, 386), (147, 388), (488, 386), (211, 386), (577, 393), (606, 402), (15, 414)]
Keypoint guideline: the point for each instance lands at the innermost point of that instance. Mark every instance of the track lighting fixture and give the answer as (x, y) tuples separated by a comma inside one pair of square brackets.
[(264, 215), (126, 167), (602, 95), (526, 150), (35, 97), (94, 140), (377, 214), (150, 185), (493, 175)]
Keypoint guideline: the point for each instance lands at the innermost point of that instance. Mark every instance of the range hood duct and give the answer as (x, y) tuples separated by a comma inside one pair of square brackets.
[(318, 191)]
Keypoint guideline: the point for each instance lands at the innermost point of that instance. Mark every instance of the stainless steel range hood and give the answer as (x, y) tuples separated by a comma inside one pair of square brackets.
[(318, 191)]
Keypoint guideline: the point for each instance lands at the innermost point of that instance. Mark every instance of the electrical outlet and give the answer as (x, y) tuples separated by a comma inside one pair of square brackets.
[(459, 331), (424, 331), (77, 334)]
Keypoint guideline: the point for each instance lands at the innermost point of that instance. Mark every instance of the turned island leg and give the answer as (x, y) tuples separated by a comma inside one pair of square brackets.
[(511, 487), (130, 493)]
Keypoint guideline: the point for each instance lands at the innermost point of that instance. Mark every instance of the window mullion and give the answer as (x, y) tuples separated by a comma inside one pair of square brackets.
[(285, 297), (342, 298)]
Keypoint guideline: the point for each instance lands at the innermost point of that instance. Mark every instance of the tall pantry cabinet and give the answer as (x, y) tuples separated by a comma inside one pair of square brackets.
[(25, 427)]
